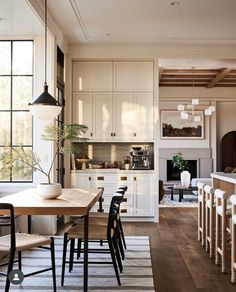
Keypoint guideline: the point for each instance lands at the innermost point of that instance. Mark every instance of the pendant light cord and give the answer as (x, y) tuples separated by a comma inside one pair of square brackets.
[(45, 43)]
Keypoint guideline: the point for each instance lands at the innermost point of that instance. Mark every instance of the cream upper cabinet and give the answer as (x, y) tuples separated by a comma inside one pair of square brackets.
[(92, 76), (124, 116), (83, 111), (103, 115), (133, 76), (143, 113)]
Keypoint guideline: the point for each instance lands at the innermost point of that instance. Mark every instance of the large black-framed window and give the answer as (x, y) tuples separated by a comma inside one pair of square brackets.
[(16, 91)]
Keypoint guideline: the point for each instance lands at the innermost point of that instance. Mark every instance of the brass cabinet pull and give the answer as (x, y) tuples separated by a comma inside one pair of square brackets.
[(114, 134), (123, 210), (135, 178), (100, 178), (91, 134), (123, 178), (134, 134), (124, 200), (90, 178)]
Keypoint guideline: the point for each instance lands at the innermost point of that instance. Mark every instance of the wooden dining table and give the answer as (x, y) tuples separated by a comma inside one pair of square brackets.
[(71, 202)]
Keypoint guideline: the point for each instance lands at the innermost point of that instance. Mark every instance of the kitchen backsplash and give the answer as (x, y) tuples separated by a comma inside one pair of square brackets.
[(110, 152)]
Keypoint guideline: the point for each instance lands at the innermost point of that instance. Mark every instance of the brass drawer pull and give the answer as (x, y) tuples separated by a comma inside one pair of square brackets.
[(100, 178), (123, 178), (123, 210), (91, 134)]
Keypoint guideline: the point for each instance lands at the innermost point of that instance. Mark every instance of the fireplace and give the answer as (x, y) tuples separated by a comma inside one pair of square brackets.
[(173, 173)]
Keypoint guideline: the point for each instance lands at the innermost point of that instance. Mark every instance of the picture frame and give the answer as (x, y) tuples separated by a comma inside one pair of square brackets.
[(173, 127)]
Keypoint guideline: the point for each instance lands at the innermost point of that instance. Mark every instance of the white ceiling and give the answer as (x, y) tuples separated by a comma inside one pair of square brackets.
[(127, 21), (17, 18), (145, 21)]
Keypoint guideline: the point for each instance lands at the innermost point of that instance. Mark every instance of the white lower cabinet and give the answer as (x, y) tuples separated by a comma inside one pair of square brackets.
[(139, 198), (144, 194)]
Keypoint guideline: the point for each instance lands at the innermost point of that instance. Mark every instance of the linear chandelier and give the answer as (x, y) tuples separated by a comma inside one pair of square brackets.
[(190, 109)]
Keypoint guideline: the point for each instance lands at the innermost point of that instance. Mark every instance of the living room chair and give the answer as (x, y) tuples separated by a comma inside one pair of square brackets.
[(18, 242), (97, 231), (233, 239), (223, 214), (201, 213), (209, 219)]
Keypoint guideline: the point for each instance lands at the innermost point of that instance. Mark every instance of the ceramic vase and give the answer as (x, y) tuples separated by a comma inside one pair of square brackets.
[(185, 178), (49, 191)]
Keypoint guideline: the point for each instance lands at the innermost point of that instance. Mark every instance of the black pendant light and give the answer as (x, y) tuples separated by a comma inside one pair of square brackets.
[(45, 107)]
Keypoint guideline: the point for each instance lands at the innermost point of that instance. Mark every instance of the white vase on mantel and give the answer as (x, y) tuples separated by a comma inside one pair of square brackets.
[(49, 191), (185, 178)]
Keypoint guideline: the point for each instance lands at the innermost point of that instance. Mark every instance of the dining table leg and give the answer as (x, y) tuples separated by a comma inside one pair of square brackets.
[(86, 218)]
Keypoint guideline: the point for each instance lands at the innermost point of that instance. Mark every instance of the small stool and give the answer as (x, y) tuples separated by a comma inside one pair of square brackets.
[(201, 213), (233, 239), (209, 217), (223, 212)]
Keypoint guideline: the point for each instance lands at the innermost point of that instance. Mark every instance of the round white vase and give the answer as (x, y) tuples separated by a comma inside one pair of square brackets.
[(185, 178), (49, 191)]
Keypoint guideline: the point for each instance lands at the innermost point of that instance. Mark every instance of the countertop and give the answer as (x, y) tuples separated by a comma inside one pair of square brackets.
[(229, 177), (111, 170)]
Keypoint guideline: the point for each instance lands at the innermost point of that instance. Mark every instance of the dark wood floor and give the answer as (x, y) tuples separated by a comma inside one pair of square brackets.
[(179, 262)]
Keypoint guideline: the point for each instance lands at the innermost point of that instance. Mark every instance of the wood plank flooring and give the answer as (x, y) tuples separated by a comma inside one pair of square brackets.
[(179, 262)]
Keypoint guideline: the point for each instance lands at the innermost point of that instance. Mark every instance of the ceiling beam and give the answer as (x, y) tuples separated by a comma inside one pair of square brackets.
[(218, 77)]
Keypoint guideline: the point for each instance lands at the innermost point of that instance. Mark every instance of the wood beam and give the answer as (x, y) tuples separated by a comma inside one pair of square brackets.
[(218, 77)]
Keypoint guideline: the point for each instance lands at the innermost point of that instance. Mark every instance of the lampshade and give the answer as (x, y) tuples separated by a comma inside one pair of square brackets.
[(45, 107)]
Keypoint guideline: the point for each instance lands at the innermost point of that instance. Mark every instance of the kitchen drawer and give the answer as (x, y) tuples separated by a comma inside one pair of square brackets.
[(106, 178)]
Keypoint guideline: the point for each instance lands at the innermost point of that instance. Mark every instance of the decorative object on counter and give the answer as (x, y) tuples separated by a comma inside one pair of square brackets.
[(95, 166), (182, 165), (18, 159), (126, 162), (84, 161)]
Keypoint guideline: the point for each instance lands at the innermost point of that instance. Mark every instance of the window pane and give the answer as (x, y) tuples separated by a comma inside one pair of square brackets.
[(5, 127), (4, 174), (21, 128), (22, 172), (22, 92), (5, 93), (5, 57), (22, 57)]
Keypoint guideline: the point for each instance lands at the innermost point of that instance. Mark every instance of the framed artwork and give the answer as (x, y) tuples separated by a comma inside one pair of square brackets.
[(173, 127)]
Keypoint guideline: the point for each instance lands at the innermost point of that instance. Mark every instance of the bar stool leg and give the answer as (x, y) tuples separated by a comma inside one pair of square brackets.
[(217, 240), (211, 232), (223, 243), (233, 253)]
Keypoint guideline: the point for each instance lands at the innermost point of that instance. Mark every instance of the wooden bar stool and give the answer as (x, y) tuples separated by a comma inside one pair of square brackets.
[(210, 219), (233, 239), (201, 212), (223, 213)]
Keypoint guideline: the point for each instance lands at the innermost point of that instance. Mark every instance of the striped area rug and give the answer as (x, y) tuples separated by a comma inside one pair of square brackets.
[(137, 274)]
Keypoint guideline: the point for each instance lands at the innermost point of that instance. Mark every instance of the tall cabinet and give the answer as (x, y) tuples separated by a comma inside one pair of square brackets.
[(114, 99)]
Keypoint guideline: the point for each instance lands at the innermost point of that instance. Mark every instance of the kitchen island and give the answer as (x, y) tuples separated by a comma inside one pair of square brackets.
[(224, 181)]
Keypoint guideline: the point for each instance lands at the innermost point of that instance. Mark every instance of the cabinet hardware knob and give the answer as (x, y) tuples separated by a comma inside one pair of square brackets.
[(90, 178), (135, 178), (123, 178), (123, 210), (114, 134), (134, 134), (100, 178), (91, 134)]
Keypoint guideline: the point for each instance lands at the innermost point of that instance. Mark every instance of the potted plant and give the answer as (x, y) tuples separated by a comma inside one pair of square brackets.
[(25, 161), (182, 165)]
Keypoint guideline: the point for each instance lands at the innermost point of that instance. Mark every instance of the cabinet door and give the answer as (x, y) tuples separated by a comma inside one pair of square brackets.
[(83, 111), (143, 108), (143, 184), (124, 116), (81, 180), (103, 116), (92, 76), (133, 76)]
